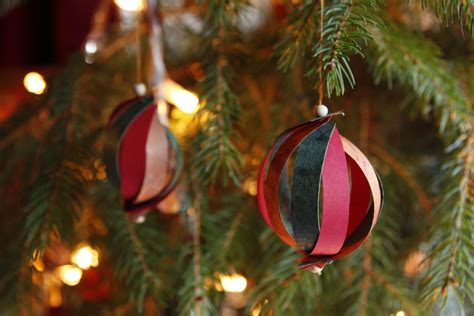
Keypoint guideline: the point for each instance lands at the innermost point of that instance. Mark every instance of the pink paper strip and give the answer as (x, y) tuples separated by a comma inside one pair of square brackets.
[(336, 199)]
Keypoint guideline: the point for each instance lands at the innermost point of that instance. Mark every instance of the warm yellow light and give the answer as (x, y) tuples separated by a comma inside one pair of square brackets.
[(256, 310), (70, 275), (234, 283), (34, 83), (55, 297), (85, 257), (250, 186), (183, 99), (38, 264), (400, 313), (130, 5)]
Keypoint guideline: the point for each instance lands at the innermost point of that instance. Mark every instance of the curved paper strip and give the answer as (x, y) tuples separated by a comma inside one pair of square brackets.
[(132, 154), (335, 217), (130, 206), (156, 159), (359, 161), (275, 167), (138, 102), (118, 123), (306, 184), (360, 196), (263, 172), (370, 174)]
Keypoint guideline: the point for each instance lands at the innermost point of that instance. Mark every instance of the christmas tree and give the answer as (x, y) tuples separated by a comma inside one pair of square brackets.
[(234, 75)]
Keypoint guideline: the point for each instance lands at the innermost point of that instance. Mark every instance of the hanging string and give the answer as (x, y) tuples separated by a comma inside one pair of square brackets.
[(321, 31), (138, 61), (159, 69)]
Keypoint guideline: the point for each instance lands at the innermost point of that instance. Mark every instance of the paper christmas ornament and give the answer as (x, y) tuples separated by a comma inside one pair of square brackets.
[(143, 157), (318, 192)]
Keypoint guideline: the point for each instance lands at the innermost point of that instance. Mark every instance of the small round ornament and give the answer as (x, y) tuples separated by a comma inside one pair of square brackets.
[(318, 192), (142, 156)]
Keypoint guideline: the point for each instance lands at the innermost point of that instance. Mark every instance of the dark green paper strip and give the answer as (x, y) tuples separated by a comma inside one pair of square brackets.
[(305, 188)]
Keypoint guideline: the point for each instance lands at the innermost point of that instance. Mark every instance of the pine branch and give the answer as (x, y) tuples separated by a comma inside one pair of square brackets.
[(449, 10), (298, 35), (59, 190), (217, 155), (134, 258), (346, 29), (417, 65)]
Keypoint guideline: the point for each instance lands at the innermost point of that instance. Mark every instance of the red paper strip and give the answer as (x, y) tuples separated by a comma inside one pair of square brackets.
[(132, 154), (335, 216), (156, 157)]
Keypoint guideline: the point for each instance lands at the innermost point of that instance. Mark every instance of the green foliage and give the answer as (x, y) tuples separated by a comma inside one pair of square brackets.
[(58, 191), (217, 155), (298, 36), (451, 10), (137, 259), (346, 29), (416, 64)]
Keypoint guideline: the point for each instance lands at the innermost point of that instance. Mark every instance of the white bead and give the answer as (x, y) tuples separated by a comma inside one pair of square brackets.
[(139, 219), (322, 110), (317, 270), (140, 89)]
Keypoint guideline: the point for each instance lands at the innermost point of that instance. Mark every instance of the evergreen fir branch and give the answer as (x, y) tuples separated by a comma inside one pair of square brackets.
[(217, 155), (450, 258), (416, 64), (449, 10), (298, 35), (193, 296), (346, 29), (59, 190), (282, 287), (135, 259)]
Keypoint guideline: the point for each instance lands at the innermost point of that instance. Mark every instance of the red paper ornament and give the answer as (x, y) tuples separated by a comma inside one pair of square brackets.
[(142, 155), (318, 192)]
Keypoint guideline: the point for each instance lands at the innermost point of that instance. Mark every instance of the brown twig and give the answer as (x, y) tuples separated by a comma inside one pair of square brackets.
[(464, 193), (140, 254)]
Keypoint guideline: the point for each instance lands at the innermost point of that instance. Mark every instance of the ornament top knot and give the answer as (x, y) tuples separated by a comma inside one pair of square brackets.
[(318, 192)]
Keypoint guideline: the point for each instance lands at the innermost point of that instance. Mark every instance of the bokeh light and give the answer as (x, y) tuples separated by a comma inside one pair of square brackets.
[(34, 83)]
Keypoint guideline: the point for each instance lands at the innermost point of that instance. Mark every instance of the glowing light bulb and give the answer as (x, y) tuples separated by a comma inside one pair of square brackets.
[(250, 186), (183, 99), (85, 257), (34, 83), (69, 274), (130, 5), (234, 283), (400, 313), (90, 47), (55, 297), (140, 219)]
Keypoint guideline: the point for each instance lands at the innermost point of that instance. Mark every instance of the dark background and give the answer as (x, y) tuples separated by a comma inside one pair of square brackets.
[(44, 32)]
